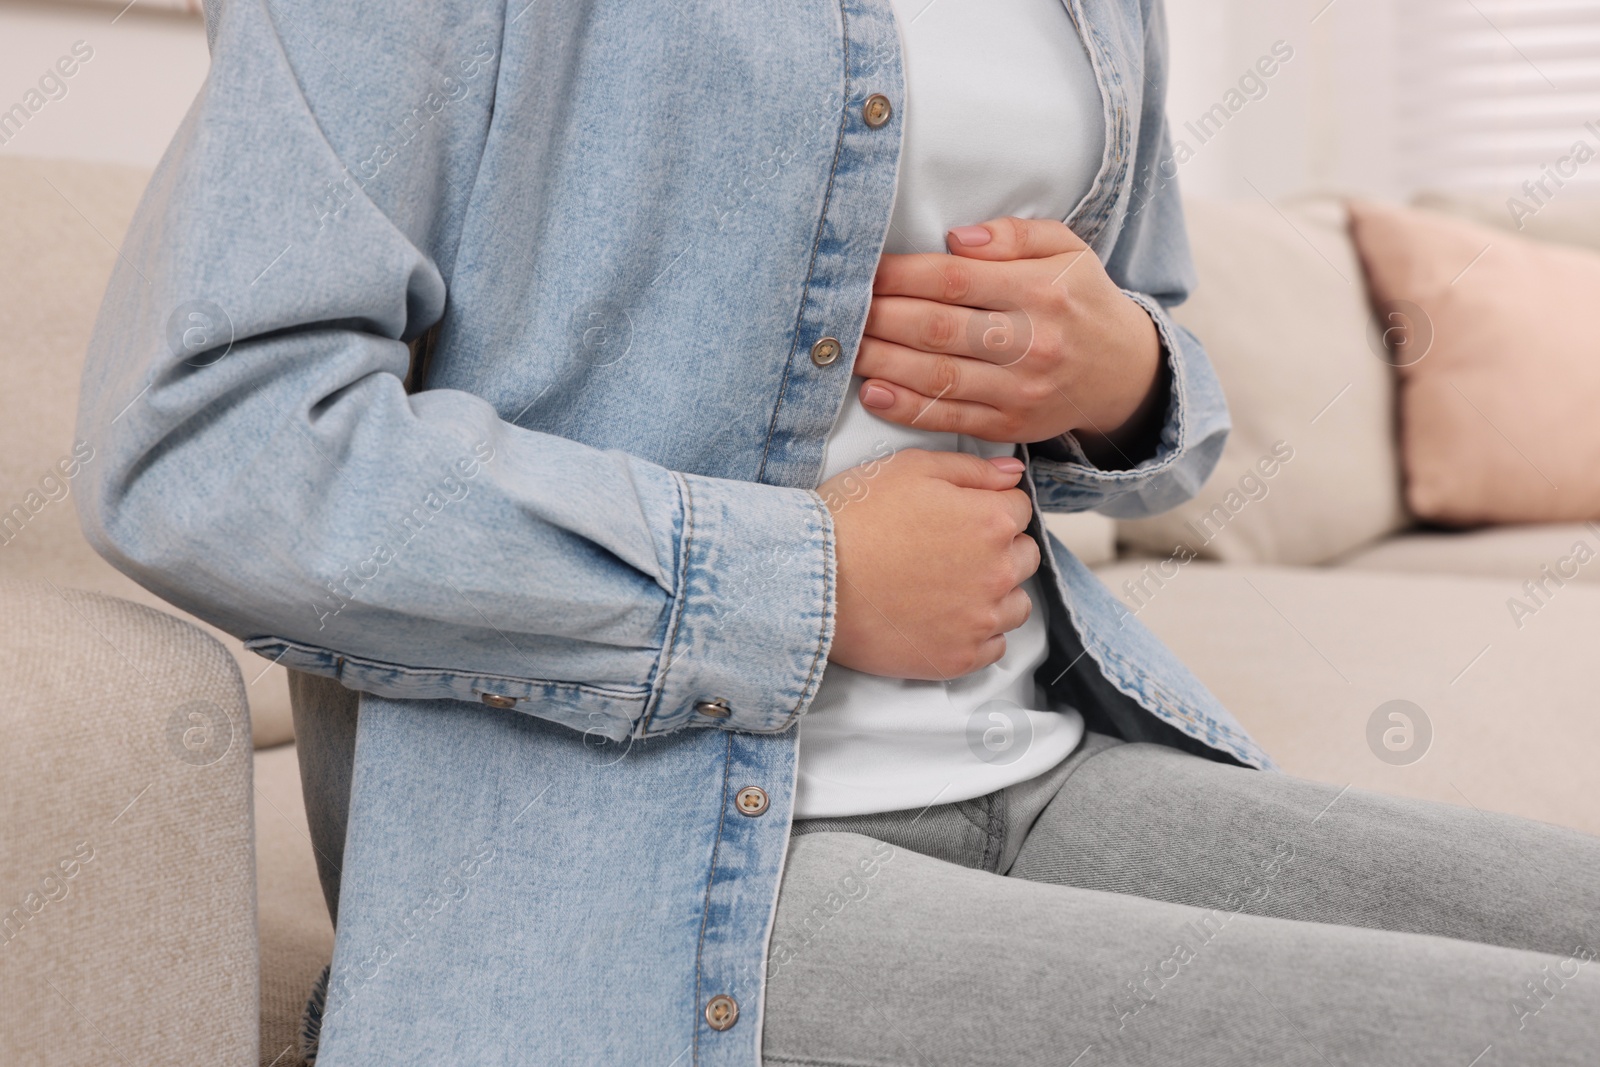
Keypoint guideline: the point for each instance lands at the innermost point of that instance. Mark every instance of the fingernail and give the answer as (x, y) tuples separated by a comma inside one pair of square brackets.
[(1009, 464), (969, 236), (876, 396)]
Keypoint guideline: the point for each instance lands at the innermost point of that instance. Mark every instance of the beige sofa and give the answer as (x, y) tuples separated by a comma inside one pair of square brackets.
[(1313, 603)]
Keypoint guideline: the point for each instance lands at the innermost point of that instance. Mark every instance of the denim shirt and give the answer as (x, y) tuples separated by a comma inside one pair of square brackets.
[(471, 365)]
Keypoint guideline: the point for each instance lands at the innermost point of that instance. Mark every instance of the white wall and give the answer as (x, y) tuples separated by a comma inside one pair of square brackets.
[(124, 103), (1325, 123), (1327, 119)]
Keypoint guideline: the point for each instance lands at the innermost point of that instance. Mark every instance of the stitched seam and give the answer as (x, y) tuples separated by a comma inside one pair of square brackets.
[(811, 1061), (964, 809), (1127, 145), (1228, 739), (1096, 190), (1169, 340), (264, 644), (711, 881), (1105, 655), (1060, 471), (1166, 697), (1105, 188), (806, 690), (816, 243), (685, 551), (995, 831), (1067, 474)]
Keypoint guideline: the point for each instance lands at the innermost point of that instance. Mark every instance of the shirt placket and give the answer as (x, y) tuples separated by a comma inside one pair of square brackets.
[(844, 256), (758, 790)]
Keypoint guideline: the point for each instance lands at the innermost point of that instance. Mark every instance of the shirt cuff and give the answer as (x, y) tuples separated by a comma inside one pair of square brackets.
[(752, 622), (1187, 450)]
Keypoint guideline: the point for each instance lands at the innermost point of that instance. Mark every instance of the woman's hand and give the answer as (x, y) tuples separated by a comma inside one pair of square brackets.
[(932, 556), (1018, 336)]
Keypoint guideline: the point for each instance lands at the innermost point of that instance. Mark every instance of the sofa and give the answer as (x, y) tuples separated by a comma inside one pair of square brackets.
[(162, 900)]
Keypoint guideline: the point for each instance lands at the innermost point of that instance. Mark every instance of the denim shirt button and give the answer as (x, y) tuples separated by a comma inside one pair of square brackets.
[(715, 708), (826, 351), (495, 700), (722, 1011), (751, 801), (876, 110)]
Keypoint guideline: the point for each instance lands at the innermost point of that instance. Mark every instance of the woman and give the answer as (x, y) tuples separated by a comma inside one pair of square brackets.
[(529, 381)]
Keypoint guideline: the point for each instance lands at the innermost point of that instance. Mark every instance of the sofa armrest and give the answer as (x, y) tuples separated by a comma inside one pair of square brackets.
[(127, 868)]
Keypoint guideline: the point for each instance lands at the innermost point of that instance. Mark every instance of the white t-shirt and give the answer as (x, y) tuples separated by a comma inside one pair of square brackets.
[(1002, 117)]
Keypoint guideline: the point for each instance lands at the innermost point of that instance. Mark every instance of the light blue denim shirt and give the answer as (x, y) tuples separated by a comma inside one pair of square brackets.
[(463, 354)]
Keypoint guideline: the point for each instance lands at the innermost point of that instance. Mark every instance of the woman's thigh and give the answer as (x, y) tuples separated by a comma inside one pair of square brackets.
[(886, 957), (1158, 823)]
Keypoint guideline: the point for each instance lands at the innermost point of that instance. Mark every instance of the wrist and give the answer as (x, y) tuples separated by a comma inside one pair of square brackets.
[(1128, 431)]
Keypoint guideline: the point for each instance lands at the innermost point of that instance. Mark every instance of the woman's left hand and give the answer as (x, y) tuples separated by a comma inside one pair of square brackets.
[(1017, 336)]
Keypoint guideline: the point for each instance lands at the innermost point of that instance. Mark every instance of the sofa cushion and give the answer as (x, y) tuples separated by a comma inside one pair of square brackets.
[(1281, 310), (127, 933), (1308, 658), (63, 223), (1501, 377), (1565, 219), (1092, 537), (1569, 551)]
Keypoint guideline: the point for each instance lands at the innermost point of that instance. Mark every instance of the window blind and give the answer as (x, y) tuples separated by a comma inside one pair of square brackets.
[(1500, 96)]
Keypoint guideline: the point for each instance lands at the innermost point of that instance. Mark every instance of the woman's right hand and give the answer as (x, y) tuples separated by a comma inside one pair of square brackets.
[(931, 557)]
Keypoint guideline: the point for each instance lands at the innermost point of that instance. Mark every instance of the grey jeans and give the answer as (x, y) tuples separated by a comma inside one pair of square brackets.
[(1138, 905)]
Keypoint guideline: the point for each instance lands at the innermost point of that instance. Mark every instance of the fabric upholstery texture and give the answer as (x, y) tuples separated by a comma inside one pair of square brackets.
[(1282, 311), (1499, 387), (1570, 551), (1307, 657), (1092, 537), (64, 221), (127, 929)]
